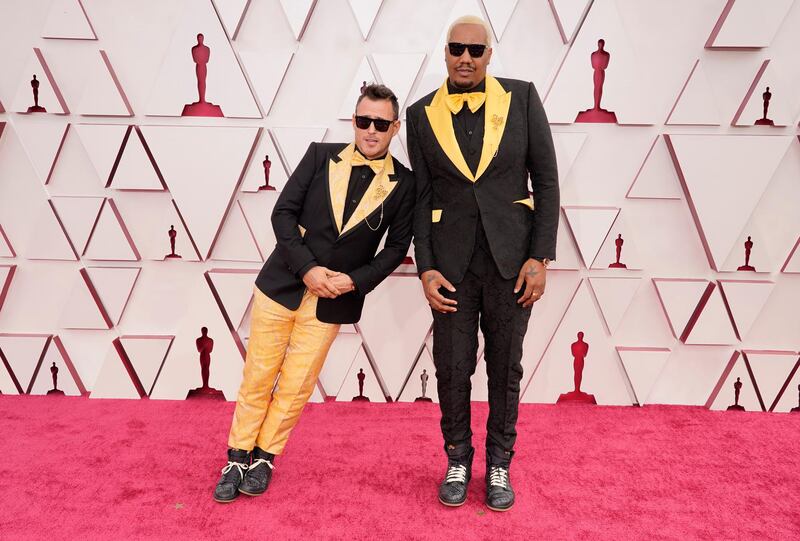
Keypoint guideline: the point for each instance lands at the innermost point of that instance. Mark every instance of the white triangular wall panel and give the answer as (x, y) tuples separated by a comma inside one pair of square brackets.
[(231, 13), (365, 12), (82, 311), (632, 100), (643, 366), (113, 381), (135, 170), (236, 241), (745, 299), (298, 13), (679, 299), (614, 295), (499, 12), (590, 226), (771, 369), (110, 240), (398, 71), (42, 139), (146, 354), (49, 94), (372, 389), (791, 396), (696, 104), (114, 286), (176, 83), (102, 143), (78, 215), (337, 365), (691, 375), (266, 73), (568, 145), (708, 165), (727, 394), (67, 19), (22, 353), (235, 289), (44, 378), (103, 94), (783, 102), (629, 253), (364, 74), (203, 167), (257, 208), (568, 14), (48, 240), (738, 28), (713, 326), (656, 178), (255, 176), (293, 143)]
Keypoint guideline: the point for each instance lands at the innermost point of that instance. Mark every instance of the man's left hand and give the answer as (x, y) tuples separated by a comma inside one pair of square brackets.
[(343, 283), (532, 274)]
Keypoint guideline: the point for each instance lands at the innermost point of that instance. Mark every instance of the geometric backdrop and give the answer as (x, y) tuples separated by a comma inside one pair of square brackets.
[(679, 240)]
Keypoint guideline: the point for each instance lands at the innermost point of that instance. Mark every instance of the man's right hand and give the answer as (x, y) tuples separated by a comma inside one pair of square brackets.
[(432, 280), (318, 282)]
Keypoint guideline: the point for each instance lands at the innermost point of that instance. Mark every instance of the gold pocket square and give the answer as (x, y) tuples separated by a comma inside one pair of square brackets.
[(436, 215), (528, 202)]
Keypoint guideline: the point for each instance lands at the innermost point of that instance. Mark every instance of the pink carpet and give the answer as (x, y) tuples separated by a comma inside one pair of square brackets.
[(75, 468)]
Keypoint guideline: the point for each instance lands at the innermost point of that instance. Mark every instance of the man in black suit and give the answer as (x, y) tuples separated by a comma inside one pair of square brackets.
[(329, 221), (482, 244)]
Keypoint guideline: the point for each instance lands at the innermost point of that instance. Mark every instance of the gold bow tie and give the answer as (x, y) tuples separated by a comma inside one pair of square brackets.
[(376, 165), (455, 102)]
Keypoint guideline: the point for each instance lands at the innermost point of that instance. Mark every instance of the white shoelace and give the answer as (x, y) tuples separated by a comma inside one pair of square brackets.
[(257, 462), (498, 477), (238, 465), (456, 473)]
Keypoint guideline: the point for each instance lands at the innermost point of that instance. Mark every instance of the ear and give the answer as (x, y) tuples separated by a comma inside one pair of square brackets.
[(396, 127)]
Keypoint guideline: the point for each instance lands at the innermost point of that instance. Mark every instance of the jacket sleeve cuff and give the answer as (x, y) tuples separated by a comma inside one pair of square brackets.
[(305, 268)]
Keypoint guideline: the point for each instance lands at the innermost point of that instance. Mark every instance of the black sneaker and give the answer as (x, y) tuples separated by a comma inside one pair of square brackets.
[(258, 475), (232, 475), (453, 490), (499, 494)]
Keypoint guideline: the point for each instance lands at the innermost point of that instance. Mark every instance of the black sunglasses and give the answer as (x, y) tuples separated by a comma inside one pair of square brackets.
[(381, 124), (476, 50)]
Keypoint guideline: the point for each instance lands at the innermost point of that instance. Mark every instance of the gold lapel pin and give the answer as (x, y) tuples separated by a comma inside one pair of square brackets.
[(380, 192), (497, 121)]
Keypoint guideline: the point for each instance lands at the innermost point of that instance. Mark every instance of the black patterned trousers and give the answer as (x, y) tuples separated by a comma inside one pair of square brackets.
[(485, 299)]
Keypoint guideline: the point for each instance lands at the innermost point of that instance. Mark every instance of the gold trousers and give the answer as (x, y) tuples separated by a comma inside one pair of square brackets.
[(289, 346)]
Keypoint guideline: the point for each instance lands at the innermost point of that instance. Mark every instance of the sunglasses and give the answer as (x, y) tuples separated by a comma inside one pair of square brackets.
[(381, 124), (476, 50)]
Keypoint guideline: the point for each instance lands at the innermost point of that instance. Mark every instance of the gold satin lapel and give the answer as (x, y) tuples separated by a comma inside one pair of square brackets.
[(338, 178), (442, 124), (378, 190), (495, 119)]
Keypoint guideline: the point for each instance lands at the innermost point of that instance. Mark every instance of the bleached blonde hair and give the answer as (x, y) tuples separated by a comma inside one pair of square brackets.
[(472, 19)]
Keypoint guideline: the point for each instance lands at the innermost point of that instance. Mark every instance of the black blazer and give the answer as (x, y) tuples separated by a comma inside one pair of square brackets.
[(449, 203), (305, 201)]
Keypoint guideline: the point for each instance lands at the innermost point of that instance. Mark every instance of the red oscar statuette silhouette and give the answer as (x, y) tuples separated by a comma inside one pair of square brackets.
[(748, 247), (737, 388), (764, 121), (205, 345), (600, 60), (55, 390), (172, 236), (579, 351), (361, 377), (797, 409), (423, 378), (201, 54), (36, 108), (267, 165), (617, 265)]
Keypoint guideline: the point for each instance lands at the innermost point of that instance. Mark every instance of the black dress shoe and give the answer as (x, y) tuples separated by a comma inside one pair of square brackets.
[(499, 494), (258, 475), (453, 490), (232, 476)]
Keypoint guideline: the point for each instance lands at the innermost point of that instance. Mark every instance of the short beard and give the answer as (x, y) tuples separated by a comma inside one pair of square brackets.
[(464, 86)]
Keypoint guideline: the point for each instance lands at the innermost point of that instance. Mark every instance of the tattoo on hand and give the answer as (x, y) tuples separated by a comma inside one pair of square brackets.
[(531, 272), (430, 279)]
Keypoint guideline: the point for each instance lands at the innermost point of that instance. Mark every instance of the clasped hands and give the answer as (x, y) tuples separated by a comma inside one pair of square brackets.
[(328, 284), (531, 275)]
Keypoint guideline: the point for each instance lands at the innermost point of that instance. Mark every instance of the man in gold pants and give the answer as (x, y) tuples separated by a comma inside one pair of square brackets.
[(329, 221)]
